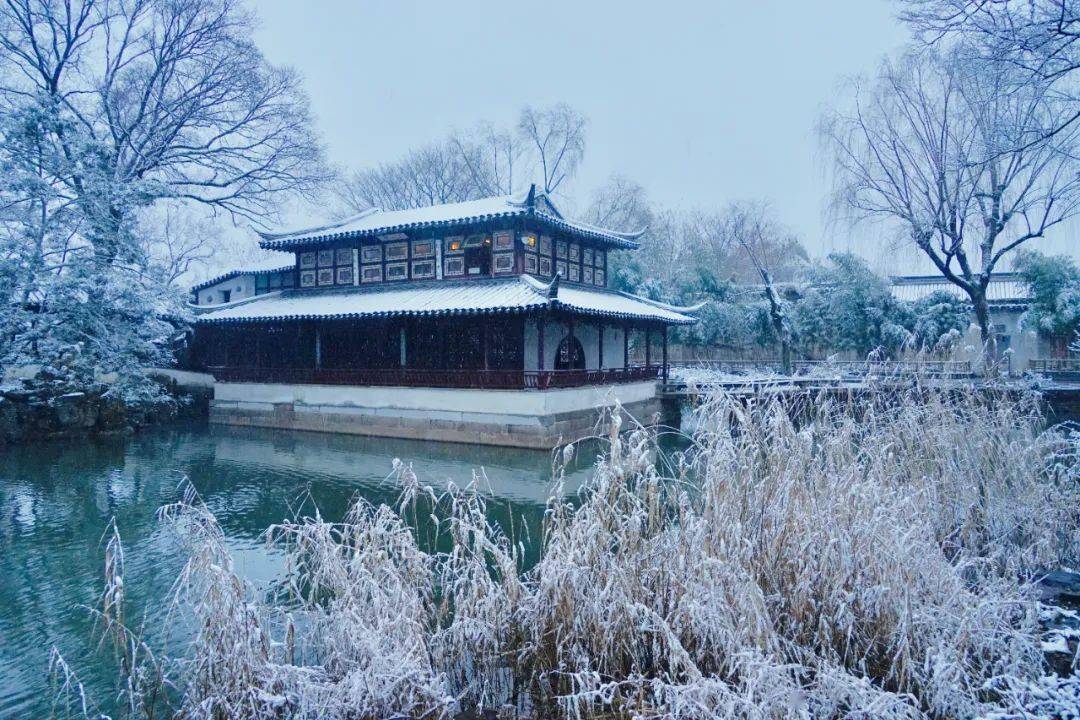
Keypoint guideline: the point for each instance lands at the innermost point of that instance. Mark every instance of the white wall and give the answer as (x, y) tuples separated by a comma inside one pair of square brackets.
[(241, 287), (586, 333), (512, 407), (1025, 345)]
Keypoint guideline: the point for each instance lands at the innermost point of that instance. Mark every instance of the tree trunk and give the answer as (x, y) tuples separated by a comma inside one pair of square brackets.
[(776, 315), (986, 332)]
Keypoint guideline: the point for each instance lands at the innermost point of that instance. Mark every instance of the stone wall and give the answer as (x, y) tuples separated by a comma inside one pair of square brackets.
[(521, 418), (28, 413)]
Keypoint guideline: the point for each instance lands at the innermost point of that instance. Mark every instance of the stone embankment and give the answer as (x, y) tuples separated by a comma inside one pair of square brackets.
[(1060, 591), (30, 413)]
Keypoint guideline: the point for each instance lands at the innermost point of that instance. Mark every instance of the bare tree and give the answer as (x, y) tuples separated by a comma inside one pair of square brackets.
[(715, 243), (941, 147), (750, 228), (171, 95), (491, 157), (1036, 39), (106, 109), (178, 240), (557, 136), (620, 204), (431, 175), (1040, 36), (481, 162)]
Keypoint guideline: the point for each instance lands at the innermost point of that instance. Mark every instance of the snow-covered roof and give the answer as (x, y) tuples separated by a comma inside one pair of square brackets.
[(375, 221), (430, 298), (258, 267), (1004, 288)]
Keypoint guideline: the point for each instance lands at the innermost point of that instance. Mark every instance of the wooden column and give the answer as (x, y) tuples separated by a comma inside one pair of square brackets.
[(540, 366), (444, 352), (402, 340), (648, 346), (600, 342), (626, 346), (570, 339), (665, 369), (540, 342), (318, 347), (484, 332)]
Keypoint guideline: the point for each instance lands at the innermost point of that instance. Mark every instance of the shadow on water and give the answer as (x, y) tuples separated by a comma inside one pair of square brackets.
[(56, 499)]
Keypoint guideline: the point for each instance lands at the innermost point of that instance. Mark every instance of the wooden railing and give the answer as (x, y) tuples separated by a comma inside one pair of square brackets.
[(735, 367), (405, 377), (844, 368), (863, 368), (1055, 365)]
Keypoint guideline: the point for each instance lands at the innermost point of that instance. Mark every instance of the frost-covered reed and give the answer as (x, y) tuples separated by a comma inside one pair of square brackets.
[(821, 558)]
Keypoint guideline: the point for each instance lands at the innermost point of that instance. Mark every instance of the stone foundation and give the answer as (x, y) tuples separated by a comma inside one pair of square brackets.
[(31, 412), (529, 419)]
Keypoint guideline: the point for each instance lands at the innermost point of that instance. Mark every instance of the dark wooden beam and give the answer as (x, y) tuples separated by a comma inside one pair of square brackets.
[(648, 346)]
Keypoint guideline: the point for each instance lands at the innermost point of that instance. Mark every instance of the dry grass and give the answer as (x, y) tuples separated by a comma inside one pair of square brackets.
[(826, 560)]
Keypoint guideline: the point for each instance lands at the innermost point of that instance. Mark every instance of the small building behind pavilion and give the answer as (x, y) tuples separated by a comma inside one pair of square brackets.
[(259, 278), (1009, 297), (484, 321)]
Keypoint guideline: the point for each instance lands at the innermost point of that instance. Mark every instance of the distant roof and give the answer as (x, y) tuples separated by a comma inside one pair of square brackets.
[(1004, 288), (259, 267), (376, 221), (510, 295)]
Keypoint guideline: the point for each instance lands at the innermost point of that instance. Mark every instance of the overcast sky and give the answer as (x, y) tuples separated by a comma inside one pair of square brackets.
[(700, 102)]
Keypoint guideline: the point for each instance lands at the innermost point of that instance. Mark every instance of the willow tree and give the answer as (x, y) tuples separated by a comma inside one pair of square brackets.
[(955, 153)]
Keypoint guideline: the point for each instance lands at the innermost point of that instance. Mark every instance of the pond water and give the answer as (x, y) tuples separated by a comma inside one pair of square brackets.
[(56, 500)]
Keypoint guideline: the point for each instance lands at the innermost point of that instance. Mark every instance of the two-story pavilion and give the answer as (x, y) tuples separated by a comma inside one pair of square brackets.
[(481, 321)]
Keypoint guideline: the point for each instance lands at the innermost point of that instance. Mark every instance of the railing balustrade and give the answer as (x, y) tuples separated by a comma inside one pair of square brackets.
[(844, 368), (862, 368), (467, 379), (1055, 365)]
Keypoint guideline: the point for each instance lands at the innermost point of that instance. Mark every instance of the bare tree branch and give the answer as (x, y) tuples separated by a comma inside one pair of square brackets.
[(944, 148)]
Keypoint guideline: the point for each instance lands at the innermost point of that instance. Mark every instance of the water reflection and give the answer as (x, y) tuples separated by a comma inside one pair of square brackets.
[(56, 499)]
